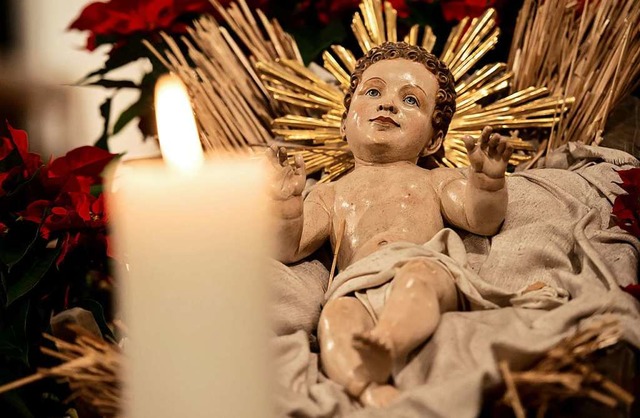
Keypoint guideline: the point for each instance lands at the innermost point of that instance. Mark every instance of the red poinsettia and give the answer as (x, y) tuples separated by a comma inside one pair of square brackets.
[(23, 164), (129, 17), (63, 198), (77, 171), (633, 290), (53, 242), (626, 207), (626, 212), (70, 210), (455, 10), (73, 218), (73, 210), (326, 10)]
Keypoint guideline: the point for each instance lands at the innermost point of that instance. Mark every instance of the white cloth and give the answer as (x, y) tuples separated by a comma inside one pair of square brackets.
[(558, 232), (371, 278)]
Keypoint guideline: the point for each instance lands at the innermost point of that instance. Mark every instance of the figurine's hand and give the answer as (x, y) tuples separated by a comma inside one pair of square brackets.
[(286, 181), (491, 156)]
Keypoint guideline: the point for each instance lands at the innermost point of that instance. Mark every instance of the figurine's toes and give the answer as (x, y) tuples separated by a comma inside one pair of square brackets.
[(371, 341), (376, 355), (360, 340), (381, 341)]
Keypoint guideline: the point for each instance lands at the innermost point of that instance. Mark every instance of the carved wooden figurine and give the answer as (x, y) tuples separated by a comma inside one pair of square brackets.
[(399, 106)]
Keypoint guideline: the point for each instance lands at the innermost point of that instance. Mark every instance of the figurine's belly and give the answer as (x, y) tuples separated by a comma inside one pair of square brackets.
[(412, 220), (379, 206)]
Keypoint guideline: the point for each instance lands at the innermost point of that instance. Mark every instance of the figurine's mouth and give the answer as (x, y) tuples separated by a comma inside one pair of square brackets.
[(385, 120)]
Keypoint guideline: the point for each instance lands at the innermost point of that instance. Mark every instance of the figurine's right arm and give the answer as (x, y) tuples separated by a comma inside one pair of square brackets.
[(303, 226)]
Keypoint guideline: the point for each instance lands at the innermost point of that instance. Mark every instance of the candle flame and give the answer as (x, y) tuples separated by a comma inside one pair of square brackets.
[(177, 131)]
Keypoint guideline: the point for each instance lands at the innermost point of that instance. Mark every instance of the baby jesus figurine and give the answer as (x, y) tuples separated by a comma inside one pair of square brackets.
[(395, 281)]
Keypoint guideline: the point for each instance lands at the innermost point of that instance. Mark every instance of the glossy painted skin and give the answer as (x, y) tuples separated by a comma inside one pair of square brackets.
[(385, 199), (388, 126), (389, 118)]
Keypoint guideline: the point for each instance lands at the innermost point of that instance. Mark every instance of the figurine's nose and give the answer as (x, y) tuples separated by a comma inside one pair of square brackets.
[(388, 107)]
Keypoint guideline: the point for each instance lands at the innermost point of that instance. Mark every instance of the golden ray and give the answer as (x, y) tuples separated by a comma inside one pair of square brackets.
[(468, 42), (250, 86)]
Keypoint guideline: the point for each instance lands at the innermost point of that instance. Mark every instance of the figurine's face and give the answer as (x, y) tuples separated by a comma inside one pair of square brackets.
[(389, 118)]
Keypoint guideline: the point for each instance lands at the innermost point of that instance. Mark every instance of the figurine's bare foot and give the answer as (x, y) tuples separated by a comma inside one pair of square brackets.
[(379, 396), (376, 351)]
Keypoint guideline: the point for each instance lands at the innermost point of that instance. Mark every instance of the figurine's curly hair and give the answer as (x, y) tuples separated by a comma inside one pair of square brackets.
[(445, 97)]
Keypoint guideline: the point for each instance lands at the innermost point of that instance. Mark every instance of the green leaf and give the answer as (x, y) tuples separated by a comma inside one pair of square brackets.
[(132, 51), (17, 242), (32, 275), (96, 190), (13, 334), (113, 84), (144, 102), (98, 314), (132, 112), (105, 112)]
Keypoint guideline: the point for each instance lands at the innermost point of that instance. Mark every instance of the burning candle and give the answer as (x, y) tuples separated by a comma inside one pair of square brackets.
[(193, 236)]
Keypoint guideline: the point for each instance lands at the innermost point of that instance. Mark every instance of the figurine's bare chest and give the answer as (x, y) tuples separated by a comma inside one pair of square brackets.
[(374, 202), (387, 194), (378, 207)]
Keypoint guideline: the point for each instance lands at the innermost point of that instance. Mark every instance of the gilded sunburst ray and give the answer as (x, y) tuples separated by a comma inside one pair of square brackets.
[(250, 86), (467, 43)]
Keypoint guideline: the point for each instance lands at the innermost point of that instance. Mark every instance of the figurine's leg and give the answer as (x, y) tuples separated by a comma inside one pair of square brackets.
[(340, 319), (421, 291)]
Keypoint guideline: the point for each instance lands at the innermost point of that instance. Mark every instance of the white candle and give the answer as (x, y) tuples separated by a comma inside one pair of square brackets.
[(194, 241)]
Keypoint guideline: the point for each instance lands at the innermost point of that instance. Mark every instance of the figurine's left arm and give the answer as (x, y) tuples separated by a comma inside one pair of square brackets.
[(478, 203)]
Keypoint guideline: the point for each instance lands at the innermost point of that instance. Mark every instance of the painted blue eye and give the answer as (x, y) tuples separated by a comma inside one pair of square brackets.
[(411, 101), (373, 93)]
